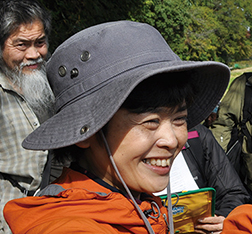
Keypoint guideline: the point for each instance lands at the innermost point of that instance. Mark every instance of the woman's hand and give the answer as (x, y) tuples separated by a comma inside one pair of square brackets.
[(212, 225)]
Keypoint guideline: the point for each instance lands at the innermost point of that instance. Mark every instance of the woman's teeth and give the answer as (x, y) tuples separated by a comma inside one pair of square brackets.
[(158, 162)]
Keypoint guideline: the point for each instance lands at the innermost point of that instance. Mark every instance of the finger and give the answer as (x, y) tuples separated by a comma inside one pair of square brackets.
[(216, 219), (201, 231), (209, 227)]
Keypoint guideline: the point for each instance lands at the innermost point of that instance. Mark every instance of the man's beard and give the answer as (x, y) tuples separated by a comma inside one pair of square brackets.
[(34, 87)]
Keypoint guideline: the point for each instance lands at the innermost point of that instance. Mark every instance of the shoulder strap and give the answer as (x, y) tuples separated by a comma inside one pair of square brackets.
[(247, 108), (44, 182), (50, 190), (247, 111), (47, 170), (192, 134), (194, 146), (17, 185)]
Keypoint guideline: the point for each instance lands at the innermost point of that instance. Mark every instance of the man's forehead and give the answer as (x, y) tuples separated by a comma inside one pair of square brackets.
[(30, 31)]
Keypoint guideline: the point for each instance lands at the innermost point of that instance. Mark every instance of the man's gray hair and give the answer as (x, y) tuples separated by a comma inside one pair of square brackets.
[(16, 12)]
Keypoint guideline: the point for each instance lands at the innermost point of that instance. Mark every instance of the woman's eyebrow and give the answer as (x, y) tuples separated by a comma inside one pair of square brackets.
[(175, 110), (181, 108)]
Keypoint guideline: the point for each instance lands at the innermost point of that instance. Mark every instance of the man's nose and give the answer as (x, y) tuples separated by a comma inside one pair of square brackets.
[(32, 53)]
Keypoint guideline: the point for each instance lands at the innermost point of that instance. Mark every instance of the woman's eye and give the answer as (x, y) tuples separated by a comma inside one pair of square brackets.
[(181, 120), (152, 123)]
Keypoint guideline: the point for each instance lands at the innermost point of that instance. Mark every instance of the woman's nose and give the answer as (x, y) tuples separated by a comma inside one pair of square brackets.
[(168, 137)]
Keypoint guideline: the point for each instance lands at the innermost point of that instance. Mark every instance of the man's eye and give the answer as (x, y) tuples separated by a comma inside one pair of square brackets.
[(40, 43), (21, 46)]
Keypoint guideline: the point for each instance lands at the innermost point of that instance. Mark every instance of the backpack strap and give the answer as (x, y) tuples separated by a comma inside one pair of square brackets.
[(194, 147), (17, 185), (44, 182), (247, 111), (47, 170), (192, 134), (50, 190)]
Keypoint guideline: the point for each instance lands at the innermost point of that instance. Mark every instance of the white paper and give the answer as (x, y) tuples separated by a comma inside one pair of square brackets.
[(181, 178)]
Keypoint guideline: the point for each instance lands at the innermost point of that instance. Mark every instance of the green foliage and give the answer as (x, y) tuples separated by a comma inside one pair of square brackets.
[(201, 40), (230, 36), (195, 29), (202, 29), (233, 44)]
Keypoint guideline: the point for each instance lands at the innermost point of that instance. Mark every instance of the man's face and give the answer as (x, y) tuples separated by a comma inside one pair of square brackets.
[(143, 147), (25, 47)]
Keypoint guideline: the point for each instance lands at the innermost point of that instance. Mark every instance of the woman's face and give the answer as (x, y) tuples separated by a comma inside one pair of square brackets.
[(143, 147)]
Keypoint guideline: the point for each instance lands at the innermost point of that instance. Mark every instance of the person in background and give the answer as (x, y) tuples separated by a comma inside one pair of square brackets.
[(26, 99), (124, 99), (212, 117), (233, 127)]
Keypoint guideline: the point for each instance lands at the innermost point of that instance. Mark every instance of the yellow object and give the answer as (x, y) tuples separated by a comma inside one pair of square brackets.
[(190, 206)]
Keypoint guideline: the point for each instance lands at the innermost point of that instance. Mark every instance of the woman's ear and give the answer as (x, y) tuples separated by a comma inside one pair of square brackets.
[(83, 144)]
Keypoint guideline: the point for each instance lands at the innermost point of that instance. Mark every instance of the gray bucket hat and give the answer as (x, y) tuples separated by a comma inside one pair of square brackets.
[(94, 71)]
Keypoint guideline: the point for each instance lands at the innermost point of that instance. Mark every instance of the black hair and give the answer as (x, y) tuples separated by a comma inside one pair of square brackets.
[(162, 90)]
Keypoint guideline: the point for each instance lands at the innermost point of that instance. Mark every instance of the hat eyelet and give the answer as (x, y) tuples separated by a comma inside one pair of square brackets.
[(62, 71), (74, 73), (84, 129), (85, 56)]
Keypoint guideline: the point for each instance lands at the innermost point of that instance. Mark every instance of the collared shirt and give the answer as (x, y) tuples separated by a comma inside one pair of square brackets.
[(17, 120)]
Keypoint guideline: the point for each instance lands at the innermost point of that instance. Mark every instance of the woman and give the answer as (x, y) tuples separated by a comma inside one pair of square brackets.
[(124, 102)]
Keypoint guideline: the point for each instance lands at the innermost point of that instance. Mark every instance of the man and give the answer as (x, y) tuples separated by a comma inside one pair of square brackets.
[(124, 101), (233, 128), (25, 96), (212, 117)]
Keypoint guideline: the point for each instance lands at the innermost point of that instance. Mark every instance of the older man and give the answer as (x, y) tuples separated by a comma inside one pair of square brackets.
[(25, 96)]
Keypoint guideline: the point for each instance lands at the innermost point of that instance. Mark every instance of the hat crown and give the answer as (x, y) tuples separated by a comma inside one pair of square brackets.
[(93, 72), (94, 56)]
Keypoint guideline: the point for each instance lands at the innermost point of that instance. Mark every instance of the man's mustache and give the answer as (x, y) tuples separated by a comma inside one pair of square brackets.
[(32, 62)]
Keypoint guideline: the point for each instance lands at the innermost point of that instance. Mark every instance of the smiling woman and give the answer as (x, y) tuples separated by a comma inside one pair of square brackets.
[(124, 102)]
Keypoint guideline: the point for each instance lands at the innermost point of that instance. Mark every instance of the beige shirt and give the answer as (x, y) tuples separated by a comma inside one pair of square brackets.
[(17, 120)]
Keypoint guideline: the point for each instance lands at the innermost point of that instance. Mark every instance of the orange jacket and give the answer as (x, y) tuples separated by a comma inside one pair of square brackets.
[(239, 221), (80, 209)]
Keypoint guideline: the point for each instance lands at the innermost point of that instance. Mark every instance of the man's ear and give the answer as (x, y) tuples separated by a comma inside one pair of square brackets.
[(83, 144)]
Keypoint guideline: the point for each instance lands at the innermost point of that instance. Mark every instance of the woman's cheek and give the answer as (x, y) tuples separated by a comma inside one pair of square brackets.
[(183, 138)]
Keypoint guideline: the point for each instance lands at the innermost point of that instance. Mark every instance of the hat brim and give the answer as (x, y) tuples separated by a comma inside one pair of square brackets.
[(66, 127)]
